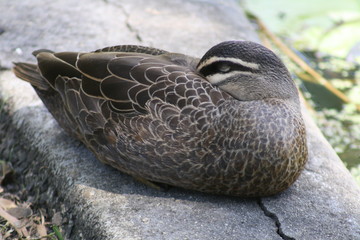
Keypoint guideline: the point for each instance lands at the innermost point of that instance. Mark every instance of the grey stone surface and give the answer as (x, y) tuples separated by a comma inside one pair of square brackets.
[(101, 203)]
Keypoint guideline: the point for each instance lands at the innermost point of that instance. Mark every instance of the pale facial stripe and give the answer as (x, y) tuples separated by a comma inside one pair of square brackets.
[(211, 60), (219, 77)]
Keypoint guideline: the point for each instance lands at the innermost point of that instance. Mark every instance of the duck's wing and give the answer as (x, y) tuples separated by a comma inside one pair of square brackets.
[(30, 72), (128, 80), (122, 104)]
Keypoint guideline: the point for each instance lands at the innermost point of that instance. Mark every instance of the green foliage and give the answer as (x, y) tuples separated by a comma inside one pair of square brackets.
[(328, 26), (57, 232), (340, 128)]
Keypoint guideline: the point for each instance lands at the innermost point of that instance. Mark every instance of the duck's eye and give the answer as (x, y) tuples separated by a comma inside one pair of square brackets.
[(223, 67)]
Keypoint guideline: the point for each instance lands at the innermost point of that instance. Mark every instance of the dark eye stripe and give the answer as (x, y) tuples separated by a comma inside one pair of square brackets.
[(215, 67)]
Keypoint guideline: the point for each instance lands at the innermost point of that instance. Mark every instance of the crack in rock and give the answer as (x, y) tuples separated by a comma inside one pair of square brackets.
[(133, 30), (127, 22), (275, 219)]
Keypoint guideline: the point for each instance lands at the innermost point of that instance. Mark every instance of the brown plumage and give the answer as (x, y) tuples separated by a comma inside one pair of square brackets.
[(229, 123)]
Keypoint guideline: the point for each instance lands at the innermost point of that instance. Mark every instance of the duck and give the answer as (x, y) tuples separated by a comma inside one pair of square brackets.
[(228, 123)]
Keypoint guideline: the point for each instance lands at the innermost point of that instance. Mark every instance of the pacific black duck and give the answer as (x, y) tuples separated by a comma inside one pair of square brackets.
[(228, 123)]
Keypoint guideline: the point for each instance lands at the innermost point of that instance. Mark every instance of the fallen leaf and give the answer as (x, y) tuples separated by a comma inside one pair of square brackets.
[(20, 212), (16, 223), (7, 204), (41, 229)]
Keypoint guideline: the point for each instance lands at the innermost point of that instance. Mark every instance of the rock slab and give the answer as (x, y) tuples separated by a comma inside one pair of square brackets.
[(101, 203)]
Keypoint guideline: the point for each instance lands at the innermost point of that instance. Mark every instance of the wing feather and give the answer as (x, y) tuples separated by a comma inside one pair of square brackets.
[(127, 80), (116, 88)]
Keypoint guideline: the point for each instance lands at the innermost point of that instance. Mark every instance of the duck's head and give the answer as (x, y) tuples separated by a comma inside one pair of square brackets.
[(247, 71)]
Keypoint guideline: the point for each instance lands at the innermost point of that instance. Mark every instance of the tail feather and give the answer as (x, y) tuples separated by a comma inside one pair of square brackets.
[(29, 73)]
